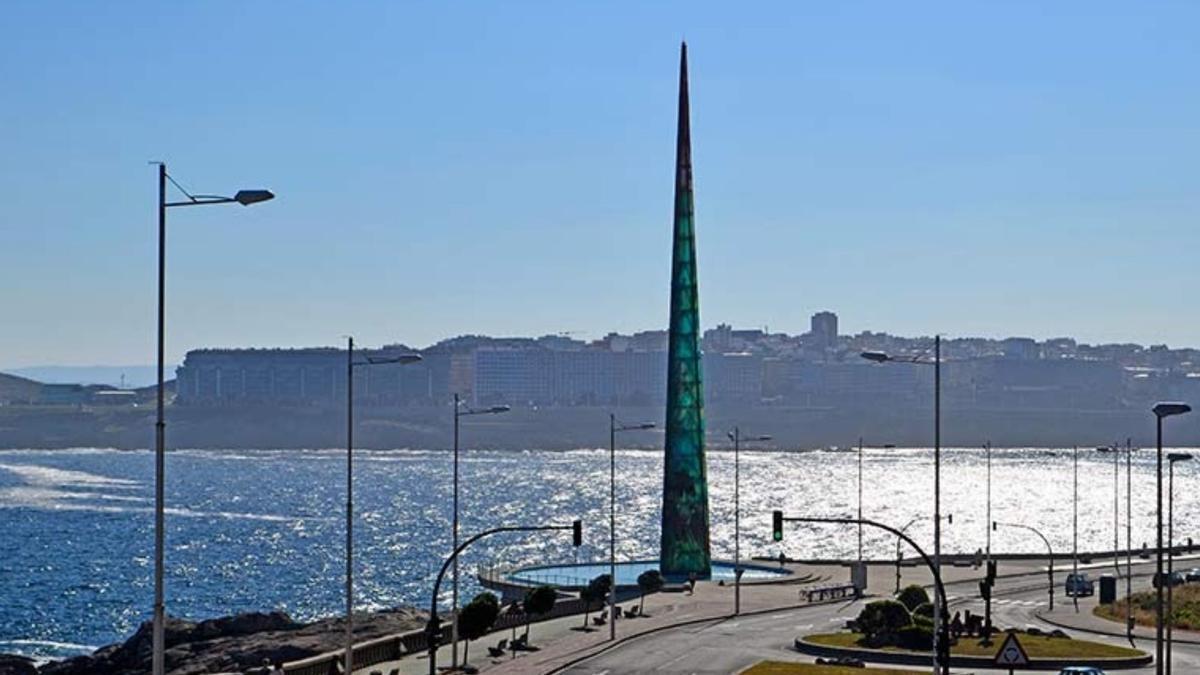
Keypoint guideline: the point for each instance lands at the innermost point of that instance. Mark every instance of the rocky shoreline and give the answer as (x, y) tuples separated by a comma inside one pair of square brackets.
[(231, 644)]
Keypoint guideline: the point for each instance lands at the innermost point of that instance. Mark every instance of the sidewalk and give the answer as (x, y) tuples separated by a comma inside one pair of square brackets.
[(1064, 616), (561, 642)]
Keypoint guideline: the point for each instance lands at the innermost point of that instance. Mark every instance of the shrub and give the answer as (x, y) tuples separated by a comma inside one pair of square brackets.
[(924, 609), (912, 596), (926, 621), (915, 637), (880, 621)]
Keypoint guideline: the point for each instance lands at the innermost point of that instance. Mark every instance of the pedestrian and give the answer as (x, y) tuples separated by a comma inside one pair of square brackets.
[(278, 669), (691, 583)]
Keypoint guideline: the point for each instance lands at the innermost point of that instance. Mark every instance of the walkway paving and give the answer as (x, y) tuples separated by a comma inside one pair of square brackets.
[(562, 642)]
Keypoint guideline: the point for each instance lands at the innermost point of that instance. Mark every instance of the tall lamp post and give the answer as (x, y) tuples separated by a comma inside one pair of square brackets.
[(1049, 551), (1075, 522), (245, 198), (1115, 449), (736, 437), (1161, 410), (883, 357), (460, 411), (351, 364), (987, 447), (1171, 460), (613, 428), (900, 556)]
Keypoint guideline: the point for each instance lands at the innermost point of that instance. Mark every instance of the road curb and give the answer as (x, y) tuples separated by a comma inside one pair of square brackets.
[(922, 658), (1096, 631)]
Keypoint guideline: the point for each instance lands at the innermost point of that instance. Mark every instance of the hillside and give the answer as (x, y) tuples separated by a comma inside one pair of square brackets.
[(18, 389)]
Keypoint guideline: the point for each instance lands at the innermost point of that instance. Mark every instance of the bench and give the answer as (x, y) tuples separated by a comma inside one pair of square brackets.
[(827, 592)]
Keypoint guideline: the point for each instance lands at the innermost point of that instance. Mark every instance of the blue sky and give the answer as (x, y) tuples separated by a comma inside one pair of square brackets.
[(442, 168)]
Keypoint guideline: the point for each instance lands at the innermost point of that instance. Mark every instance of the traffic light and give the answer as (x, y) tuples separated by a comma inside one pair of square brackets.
[(577, 533), (991, 571), (777, 525), (985, 590)]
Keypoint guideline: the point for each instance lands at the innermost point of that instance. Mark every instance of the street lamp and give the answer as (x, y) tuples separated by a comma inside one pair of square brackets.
[(245, 198), (613, 428), (459, 411), (1171, 460), (351, 364), (1160, 411), (736, 437), (1075, 522), (883, 357), (949, 518), (1116, 451)]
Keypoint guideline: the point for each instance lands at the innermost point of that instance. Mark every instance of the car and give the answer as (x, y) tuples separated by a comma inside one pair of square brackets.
[(1078, 584), (1192, 575), (1081, 670), (1177, 579)]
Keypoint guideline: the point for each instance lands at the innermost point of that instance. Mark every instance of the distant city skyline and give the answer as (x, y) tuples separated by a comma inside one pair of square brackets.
[(824, 326), (987, 170)]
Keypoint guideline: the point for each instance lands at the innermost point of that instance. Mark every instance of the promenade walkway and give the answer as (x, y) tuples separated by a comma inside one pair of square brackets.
[(561, 643)]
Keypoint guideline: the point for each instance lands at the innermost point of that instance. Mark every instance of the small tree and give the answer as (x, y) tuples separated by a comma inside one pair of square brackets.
[(880, 621), (477, 618), (539, 601), (912, 596), (596, 590), (650, 581)]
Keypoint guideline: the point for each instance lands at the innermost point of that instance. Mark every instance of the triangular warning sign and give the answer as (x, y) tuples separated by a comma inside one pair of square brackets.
[(1012, 653)]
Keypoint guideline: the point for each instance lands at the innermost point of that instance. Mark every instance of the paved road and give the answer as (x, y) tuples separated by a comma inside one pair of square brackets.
[(726, 646)]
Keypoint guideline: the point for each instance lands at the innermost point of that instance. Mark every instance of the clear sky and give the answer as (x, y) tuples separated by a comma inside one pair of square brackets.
[(995, 169)]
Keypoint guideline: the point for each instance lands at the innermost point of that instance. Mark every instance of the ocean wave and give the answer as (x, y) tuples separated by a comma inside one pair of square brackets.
[(49, 476)]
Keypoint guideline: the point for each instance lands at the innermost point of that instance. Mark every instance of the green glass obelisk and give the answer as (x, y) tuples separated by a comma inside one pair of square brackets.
[(685, 543)]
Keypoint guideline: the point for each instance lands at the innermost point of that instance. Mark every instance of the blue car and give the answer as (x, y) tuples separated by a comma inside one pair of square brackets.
[(1080, 670)]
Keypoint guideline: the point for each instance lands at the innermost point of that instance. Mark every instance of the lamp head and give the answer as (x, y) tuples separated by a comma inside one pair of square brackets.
[(1171, 408), (499, 409), (248, 197), (1178, 457), (877, 357)]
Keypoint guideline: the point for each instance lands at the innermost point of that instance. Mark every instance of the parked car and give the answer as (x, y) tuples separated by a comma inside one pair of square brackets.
[(1177, 579), (1078, 584), (1192, 575), (1081, 670)]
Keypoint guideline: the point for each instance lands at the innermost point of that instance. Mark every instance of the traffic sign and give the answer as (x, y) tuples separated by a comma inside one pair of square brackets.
[(1012, 653)]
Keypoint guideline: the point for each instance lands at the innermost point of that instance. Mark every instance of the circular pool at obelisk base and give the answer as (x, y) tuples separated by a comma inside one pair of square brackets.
[(574, 576)]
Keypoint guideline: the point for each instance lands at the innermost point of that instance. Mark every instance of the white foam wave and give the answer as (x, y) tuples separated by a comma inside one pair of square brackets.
[(48, 476)]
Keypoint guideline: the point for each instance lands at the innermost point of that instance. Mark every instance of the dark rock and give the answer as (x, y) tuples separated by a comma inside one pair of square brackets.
[(11, 664), (234, 643)]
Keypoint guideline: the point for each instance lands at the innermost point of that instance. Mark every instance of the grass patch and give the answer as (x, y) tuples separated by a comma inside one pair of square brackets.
[(1186, 614), (1037, 646), (786, 668)]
